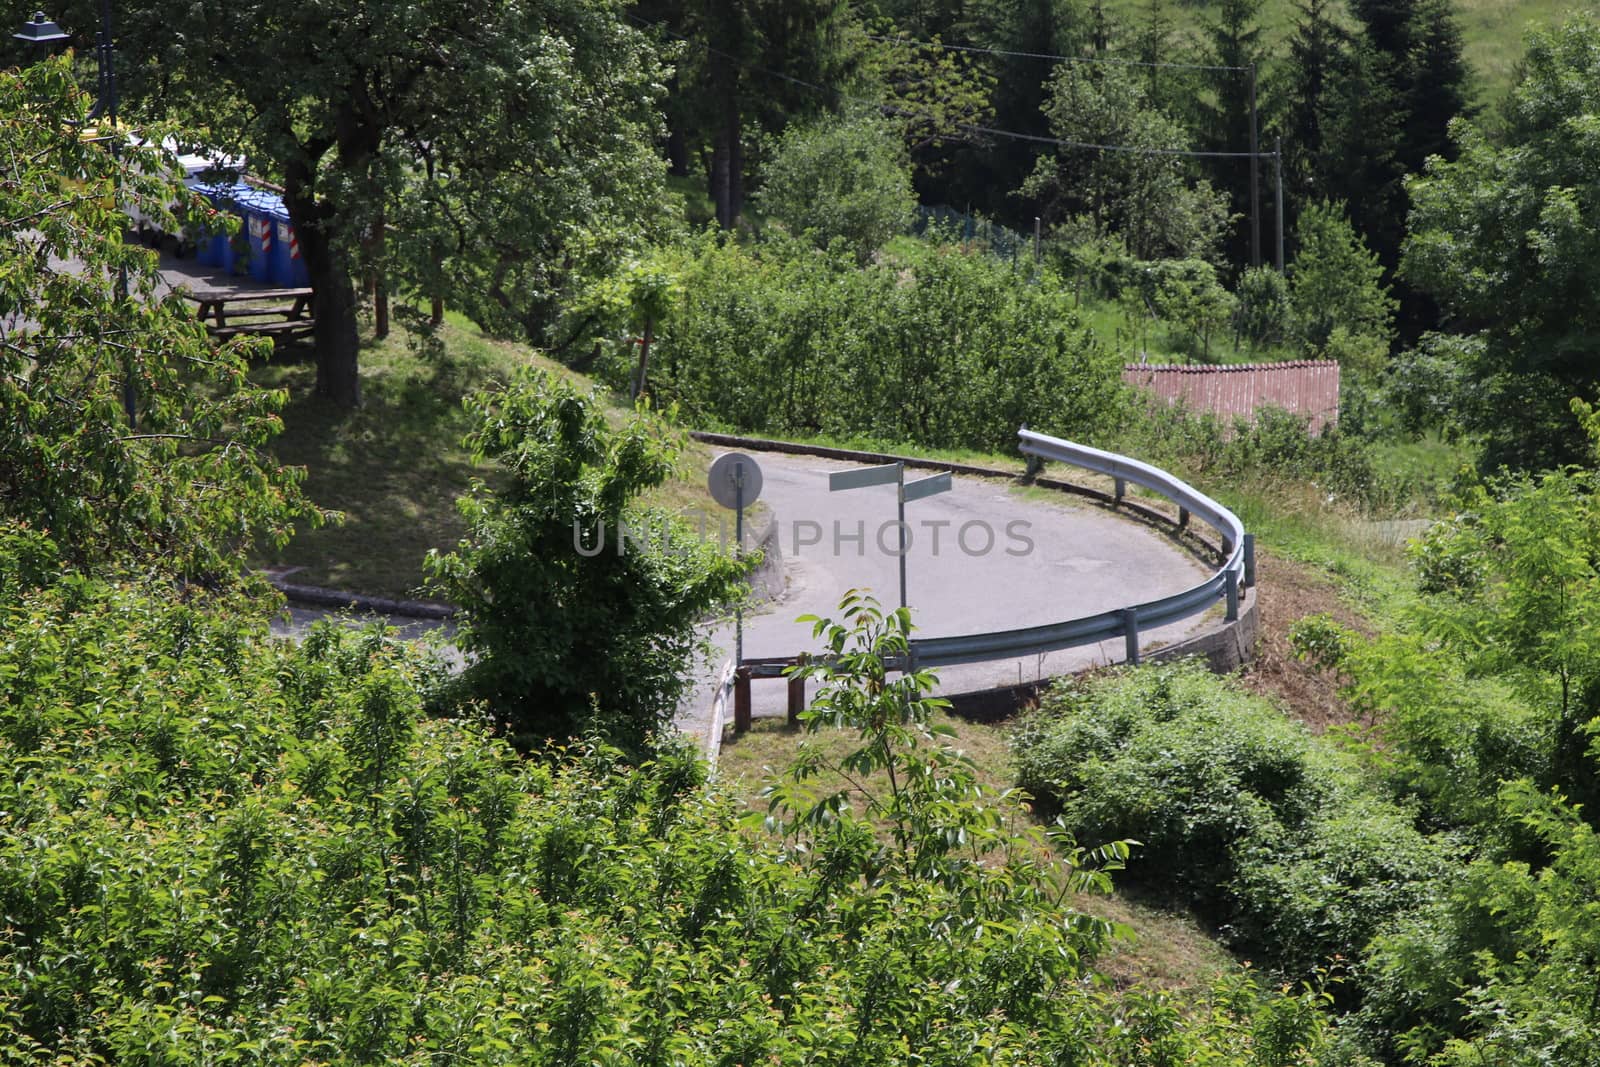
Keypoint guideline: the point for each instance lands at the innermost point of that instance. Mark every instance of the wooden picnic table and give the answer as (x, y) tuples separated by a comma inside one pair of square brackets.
[(290, 316)]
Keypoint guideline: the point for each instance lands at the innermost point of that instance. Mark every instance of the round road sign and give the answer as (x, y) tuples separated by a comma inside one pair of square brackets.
[(723, 481)]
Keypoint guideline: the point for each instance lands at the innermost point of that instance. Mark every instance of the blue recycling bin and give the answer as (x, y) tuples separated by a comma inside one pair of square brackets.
[(258, 219), (216, 249), (288, 266)]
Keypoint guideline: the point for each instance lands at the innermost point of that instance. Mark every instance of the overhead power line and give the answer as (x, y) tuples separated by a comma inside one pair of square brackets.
[(967, 127), (1173, 65)]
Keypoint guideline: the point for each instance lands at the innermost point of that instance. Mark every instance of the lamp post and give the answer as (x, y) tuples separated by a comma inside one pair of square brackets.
[(41, 31)]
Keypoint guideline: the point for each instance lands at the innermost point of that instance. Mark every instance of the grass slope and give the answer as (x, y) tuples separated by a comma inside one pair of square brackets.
[(396, 465)]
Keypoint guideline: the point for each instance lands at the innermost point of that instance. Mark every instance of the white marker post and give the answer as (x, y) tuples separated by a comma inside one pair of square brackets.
[(886, 474)]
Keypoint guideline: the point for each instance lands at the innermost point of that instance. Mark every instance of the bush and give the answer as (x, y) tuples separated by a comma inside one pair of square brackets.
[(1355, 866), (846, 179), (931, 345), (224, 849), (570, 629), (1274, 838), (1264, 315)]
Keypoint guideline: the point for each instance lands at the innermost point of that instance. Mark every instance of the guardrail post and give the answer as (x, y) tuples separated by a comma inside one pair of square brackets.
[(1183, 518), (797, 697), (1230, 579), (1130, 634), (1249, 561), (1122, 489), (741, 701)]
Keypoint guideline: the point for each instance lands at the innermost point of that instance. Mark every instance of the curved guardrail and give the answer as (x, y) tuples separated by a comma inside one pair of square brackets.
[(1237, 570)]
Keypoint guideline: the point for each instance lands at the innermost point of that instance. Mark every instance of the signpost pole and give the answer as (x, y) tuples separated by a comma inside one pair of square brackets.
[(893, 474), (900, 494), (738, 553)]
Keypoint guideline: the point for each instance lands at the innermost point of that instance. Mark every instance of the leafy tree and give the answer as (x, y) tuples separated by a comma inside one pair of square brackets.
[(1517, 594), (1264, 312), (1336, 284), (127, 438), (1507, 238), (843, 179), (580, 606), (1187, 292), (934, 95), (748, 66), (497, 128), (1143, 191)]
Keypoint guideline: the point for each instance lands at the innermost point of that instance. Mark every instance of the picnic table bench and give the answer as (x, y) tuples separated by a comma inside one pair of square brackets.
[(290, 317)]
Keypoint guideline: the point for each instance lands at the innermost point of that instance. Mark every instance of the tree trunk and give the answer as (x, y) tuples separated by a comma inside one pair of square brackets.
[(644, 356), (336, 337), (338, 341), (727, 164)]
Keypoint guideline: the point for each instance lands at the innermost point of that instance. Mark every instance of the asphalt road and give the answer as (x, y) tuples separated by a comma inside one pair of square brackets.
[(985, 556)]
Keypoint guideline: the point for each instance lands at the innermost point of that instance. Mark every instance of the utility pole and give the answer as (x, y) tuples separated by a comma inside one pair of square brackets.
[(1255, 167), (1277, 163)]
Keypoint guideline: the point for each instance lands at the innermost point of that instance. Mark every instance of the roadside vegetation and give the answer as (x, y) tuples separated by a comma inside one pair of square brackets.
[(1376, 846)]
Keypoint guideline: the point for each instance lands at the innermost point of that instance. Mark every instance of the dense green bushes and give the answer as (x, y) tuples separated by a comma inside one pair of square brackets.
[(1275, 838), (220, 849), (930, 344)]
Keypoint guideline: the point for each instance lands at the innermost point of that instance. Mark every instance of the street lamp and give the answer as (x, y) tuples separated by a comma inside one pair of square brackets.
[(43, 32)]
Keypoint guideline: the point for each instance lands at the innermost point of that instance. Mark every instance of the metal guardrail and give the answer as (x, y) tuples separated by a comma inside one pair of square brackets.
[(1237, 571)]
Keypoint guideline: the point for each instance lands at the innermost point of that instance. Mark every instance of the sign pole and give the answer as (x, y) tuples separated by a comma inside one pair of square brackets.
[(734, 480), (900, 495), (738, 553), (893, 474)]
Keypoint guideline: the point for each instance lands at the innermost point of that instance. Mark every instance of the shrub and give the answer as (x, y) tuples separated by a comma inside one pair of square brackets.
[(1264, 315), (224, 849), (845, 179), (1270, 835), (1169, 758), (571, 629), (930, 345)]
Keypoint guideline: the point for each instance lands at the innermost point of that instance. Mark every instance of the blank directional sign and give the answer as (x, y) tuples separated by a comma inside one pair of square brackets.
[(727, 473), (861, 477), (938, 483)]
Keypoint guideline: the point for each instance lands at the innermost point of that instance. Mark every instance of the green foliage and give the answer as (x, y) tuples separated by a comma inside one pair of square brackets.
[(1486, 709), (185, 485), (1146, 197), (1429, 386), (1277, 839), (579, 605), (1188, 293), (511, 150), (223, 849), (842, 179), (931, 345), (1336, 285), (1264, 311), (1506, 238), (1273, 449)]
